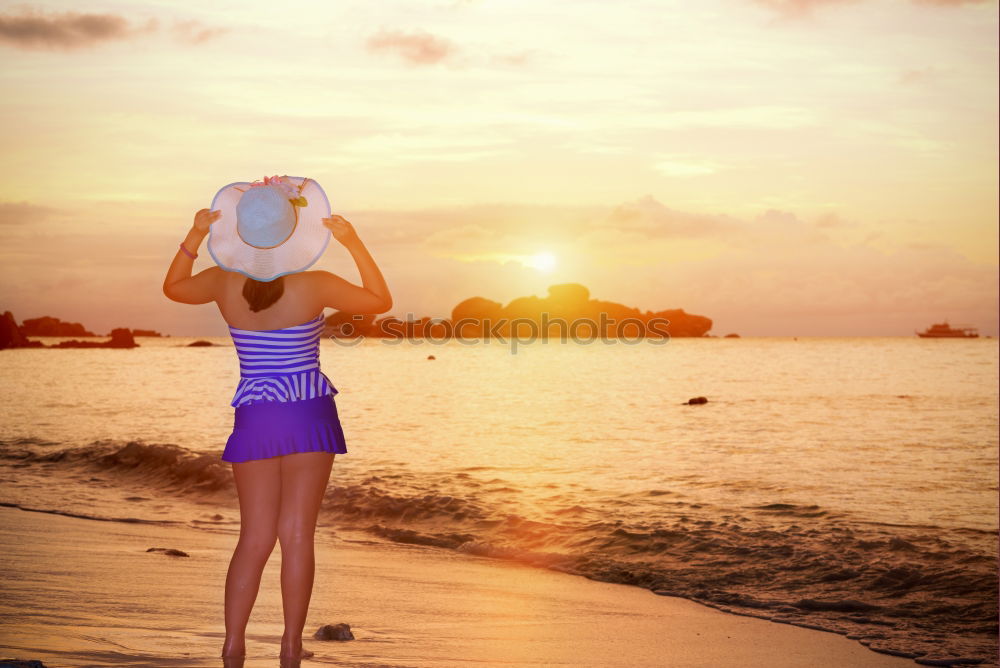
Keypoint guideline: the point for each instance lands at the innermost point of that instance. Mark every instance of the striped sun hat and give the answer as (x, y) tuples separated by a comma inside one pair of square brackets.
[(269, 228)]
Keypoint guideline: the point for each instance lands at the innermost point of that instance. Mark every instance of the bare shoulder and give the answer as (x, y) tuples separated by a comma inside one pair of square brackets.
[(317, 277), (315, 283), (315, 273), (333, 291)]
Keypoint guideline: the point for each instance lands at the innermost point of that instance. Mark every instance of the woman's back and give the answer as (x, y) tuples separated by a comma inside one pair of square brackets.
[(278, 343), (298, 304)]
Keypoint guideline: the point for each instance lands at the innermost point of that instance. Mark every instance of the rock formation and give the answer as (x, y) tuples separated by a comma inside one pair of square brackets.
[(565, 304), (121, 337), (49, 326), (12, 336)]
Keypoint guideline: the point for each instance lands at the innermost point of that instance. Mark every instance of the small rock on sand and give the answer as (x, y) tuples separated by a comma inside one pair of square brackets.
[(339, 631)]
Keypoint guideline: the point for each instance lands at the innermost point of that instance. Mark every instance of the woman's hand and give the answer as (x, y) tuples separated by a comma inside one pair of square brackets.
[(342, 230), (203, 219)]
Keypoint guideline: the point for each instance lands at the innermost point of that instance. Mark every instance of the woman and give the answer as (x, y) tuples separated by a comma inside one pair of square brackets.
[(286, 431)]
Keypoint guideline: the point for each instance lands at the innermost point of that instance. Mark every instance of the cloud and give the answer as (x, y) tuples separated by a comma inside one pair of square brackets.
[(834, 221), (194, 32), (68, 31), (919, 75), (649, 218), (515, 59), (639, 225), (418, 48), (23, 213)]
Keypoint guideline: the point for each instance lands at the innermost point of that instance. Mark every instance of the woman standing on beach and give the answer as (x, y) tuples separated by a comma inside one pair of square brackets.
[(286, 433)]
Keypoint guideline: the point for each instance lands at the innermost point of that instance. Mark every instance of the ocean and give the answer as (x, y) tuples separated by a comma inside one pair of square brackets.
[(846, 484)]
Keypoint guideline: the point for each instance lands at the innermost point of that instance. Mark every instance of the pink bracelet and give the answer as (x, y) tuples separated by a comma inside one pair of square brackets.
[(187, 252)]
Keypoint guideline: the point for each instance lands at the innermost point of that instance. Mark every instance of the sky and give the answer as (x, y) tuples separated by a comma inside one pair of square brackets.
[(783, 167)]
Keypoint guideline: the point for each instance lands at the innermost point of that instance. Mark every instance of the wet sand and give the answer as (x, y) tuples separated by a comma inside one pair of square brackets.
[(79, 592)]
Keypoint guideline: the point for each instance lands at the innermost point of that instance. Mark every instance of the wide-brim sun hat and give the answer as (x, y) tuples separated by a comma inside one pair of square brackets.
[(269, 228)]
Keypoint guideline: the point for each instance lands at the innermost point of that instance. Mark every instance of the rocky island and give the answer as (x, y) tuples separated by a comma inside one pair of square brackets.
[(549, 316), (49, 326), (14, 336)]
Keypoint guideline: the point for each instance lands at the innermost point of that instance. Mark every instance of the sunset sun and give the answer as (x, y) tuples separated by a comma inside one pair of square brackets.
[(542, 261)]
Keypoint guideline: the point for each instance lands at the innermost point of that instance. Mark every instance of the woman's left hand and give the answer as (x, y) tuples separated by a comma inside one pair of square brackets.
[(341, 229), (203, 219)]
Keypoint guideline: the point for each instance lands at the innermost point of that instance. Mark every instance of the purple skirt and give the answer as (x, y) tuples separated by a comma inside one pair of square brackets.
[(267, 429)]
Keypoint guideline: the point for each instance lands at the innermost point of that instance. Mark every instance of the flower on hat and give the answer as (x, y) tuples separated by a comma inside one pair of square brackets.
[(287, 187)]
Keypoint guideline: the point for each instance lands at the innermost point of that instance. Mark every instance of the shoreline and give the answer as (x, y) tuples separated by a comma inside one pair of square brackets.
[(80, 592)]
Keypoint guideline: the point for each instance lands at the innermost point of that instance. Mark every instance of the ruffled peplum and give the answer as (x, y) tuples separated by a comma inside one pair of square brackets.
[(285, 388)]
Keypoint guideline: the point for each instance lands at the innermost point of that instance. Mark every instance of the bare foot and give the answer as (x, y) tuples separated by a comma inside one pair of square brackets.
[(233, 661), (290, 651)]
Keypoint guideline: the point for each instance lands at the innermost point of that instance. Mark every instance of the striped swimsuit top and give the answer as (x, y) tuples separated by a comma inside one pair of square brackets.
[(280, 364)]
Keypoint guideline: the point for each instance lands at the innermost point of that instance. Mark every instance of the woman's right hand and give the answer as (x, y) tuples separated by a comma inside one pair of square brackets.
[(342, 230), (203, 220)]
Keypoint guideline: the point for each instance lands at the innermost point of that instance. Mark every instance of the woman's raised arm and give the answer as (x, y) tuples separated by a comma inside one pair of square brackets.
[(180, 285), (372, 296)]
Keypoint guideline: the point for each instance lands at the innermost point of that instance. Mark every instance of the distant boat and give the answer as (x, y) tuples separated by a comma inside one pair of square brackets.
[(944, 331)]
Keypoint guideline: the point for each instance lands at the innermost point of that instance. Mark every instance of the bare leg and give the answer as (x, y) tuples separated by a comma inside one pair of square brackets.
[(304, 477), (258, 484)]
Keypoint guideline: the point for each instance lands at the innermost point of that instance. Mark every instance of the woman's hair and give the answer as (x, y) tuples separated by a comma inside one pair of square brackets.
[(260, 295)]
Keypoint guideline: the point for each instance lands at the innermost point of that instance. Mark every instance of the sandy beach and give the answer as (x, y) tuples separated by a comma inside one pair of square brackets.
[(95, 596)]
